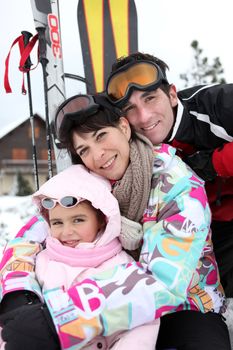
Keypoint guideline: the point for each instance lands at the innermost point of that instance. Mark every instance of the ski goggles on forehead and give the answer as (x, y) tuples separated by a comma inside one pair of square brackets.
[(65, 202), (76, 107), (141, 75)]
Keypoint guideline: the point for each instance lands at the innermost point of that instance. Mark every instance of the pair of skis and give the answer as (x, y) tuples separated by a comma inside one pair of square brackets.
[(108, 29), (47, 23)]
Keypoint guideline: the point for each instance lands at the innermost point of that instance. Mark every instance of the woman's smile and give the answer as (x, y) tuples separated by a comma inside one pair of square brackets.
[(109, 162)]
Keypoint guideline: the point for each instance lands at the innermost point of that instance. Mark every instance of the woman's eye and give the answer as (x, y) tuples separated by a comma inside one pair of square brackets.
[(83, 152), (100, 135)]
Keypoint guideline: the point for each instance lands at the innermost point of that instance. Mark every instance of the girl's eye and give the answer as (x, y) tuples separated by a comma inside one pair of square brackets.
[(78, 220), (56, 223)]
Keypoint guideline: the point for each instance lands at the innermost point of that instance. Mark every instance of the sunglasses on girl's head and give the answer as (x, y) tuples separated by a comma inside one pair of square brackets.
[(141, 75), (65, 202), (76, 107)]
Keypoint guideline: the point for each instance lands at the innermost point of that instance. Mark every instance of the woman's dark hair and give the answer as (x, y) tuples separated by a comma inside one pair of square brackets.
[(104, 117)]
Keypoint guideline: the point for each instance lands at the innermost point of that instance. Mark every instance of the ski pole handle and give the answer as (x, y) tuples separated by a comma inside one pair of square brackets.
[(42, 46), (26, 38)]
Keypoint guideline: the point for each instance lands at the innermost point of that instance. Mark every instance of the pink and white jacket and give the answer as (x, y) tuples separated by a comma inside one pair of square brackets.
[(60, 265)]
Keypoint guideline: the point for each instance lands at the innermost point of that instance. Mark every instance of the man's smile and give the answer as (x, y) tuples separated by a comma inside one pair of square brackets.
[(150, 127)]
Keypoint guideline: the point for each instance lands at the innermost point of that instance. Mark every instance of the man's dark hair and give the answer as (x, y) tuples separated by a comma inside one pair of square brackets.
[(139, 56)]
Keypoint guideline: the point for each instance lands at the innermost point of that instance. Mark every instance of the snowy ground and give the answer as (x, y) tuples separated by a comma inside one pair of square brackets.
[(15, 211)]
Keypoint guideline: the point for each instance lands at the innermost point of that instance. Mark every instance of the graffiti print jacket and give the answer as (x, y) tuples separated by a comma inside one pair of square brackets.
[(177, 268)]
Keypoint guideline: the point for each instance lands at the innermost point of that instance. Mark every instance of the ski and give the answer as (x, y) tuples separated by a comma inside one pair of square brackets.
[(47, 24), (108, 30)]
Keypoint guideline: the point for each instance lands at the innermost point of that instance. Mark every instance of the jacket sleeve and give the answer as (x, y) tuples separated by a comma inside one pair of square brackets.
[(216, 104), (213, 104), (223, 160), (175, 230), (212, 108), (211, 163), (201, 162), (17, 264)]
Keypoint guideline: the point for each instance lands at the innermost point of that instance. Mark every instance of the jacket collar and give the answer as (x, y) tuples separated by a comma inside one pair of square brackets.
[(179, 114)]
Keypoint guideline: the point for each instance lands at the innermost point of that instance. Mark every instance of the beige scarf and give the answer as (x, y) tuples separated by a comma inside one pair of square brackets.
[(133, 190)]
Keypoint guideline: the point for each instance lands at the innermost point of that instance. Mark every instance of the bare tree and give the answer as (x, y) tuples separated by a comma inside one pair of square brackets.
[(202, 71)]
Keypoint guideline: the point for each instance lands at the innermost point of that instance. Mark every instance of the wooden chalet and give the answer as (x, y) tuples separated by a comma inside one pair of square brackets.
[(16, 153)]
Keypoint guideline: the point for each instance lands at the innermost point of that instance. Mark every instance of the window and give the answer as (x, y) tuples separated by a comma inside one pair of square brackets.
[(44, 154), (19, 153), (36, 132)]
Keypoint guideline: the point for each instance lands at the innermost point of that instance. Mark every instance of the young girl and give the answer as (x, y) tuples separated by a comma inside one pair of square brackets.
[(84, 225), (177, 278)]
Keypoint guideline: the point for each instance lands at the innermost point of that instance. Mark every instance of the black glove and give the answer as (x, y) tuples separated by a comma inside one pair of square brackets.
[(16, 299), (201, 163), (29, 327)]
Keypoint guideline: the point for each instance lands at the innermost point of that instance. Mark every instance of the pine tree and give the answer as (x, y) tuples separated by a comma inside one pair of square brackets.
[(23, 186), (202, 71)]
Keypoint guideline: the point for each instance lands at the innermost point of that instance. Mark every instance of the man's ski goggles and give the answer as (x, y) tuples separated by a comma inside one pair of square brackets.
[(65, 202), (76, 107), (141, 75)]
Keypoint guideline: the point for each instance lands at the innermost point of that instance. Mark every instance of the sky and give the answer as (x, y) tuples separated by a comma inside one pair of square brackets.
[(165, 29)]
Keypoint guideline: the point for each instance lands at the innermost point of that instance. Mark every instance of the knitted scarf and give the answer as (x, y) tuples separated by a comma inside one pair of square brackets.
[(133, 190)]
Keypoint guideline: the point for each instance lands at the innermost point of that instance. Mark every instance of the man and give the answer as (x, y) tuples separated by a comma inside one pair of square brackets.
[(196, 329), (197, 121)]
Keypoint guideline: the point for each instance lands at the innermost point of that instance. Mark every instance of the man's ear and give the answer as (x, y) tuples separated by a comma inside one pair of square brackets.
[(125, 127), (173, 95)]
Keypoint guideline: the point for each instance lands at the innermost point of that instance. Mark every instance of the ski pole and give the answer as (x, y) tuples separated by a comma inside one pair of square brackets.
[(76, 77), (44, 61), (28, 64)]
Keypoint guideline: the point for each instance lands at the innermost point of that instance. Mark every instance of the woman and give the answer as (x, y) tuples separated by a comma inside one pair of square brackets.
[(177, 277)]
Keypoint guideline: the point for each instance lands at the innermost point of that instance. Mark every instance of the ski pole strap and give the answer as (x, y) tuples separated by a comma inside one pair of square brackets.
[(6, 79), (24, 52), (26, 38)]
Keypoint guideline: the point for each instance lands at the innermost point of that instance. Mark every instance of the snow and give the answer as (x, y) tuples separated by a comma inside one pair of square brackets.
[(16, 211)]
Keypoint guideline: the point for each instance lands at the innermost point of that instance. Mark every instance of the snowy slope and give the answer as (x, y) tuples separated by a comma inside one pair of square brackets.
[(14, 213)]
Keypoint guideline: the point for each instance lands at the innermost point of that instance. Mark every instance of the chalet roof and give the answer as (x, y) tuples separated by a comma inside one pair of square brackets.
[(13, 125)]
